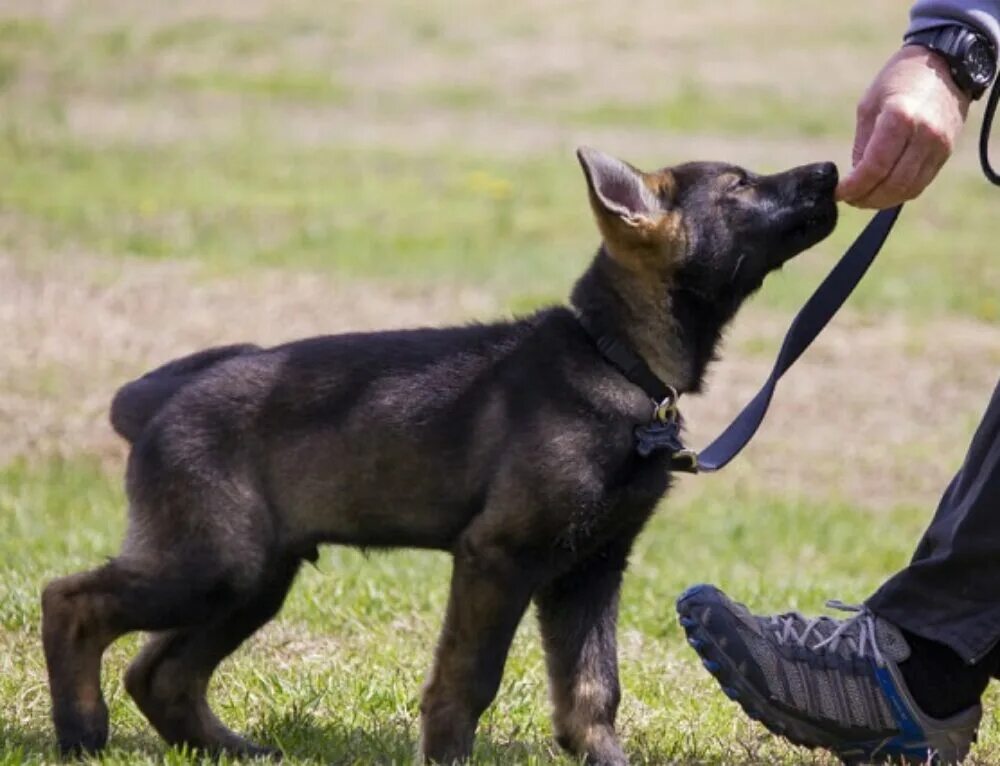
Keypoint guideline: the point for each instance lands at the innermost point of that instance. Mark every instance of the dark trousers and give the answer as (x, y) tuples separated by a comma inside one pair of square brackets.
[(950, 591)]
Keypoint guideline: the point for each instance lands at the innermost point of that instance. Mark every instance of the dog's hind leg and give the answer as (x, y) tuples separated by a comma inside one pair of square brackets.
[(491, 587), (197, 547), (578, 615), (169, 679), (83, 613)]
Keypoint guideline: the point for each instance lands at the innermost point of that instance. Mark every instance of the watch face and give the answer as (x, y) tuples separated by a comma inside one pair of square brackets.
[(980, 62)]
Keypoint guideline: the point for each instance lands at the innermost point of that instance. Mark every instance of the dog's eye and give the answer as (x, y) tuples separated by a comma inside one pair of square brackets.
[(739, 183)]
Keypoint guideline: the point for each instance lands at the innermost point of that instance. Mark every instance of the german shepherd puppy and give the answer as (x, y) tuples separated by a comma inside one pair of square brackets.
[(510, 445)]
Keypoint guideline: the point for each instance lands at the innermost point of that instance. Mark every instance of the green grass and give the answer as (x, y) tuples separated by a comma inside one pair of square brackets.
[(254, 195), (336, 679), (520, 227), (280, 84), (695, 105)]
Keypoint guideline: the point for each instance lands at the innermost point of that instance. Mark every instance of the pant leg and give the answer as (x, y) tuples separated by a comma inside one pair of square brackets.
[(950, 591)]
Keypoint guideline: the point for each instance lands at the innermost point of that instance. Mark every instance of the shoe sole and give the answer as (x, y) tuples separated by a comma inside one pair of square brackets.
[(756, 706)]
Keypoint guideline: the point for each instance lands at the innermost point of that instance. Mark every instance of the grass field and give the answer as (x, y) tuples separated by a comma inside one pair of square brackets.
[(174, 175)]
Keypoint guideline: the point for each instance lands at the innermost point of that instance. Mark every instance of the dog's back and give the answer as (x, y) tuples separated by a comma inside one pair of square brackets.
[(387, 438), (135, 403)]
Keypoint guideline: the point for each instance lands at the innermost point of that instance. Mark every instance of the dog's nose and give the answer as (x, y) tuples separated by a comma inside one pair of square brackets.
[(825, 175)]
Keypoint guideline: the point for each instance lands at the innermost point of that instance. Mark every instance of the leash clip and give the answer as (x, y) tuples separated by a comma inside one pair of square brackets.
[(685, 461), (666, 437), (664, 433), (666, 411)]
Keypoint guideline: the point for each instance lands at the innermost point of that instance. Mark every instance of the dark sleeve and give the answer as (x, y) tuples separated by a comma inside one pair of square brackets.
[(983, 15)]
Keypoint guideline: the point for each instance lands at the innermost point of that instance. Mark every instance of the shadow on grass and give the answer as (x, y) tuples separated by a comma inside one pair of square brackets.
[(18, 745), (303, 739), (29, 745), (393, 741)]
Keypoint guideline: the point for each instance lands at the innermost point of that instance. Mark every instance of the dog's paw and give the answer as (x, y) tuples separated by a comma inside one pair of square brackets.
[(606, 759), (251, 750), (80, 735), (598, 749)]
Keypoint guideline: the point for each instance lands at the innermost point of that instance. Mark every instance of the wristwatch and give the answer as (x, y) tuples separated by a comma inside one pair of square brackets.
[(970, 55)]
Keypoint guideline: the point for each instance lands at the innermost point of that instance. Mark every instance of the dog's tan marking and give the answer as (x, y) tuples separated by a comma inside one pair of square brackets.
[(646, 239), (663, 184), (584, 712)]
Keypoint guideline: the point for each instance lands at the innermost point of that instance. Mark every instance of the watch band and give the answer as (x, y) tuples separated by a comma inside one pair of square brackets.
[(953, 42)]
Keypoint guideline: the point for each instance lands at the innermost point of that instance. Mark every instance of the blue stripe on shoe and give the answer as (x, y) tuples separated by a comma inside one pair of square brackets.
[(909, 729)]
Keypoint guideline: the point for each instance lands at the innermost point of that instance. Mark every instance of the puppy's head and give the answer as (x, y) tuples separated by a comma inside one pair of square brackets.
[(715, 229), (706, 234)]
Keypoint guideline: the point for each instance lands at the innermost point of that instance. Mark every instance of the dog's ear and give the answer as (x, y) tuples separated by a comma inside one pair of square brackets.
[(630, 206)]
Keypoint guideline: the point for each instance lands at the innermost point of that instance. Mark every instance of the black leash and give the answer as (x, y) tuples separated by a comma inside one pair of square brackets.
[(809, 322), (984, 135)]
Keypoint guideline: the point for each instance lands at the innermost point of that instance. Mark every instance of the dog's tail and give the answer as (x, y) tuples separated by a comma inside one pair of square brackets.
[(137, 402)]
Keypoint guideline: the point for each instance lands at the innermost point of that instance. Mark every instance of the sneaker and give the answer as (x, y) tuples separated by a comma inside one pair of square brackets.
[(822, 682)]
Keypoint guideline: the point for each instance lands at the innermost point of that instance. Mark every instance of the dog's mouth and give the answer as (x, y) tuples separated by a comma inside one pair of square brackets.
[(815, 226), (809, 228)]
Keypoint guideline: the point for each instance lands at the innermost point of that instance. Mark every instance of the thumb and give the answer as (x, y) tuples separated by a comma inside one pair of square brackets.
[(866, 119)]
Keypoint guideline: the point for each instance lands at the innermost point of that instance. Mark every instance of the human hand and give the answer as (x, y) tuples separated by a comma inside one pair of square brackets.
[(907, 125)]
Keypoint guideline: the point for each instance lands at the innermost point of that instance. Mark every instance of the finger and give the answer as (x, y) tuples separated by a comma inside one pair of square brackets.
[(863, 131), (925, 153), (886, 146), (862, 135), (900, 185), (940, 145), (932, 166), (889, 138)]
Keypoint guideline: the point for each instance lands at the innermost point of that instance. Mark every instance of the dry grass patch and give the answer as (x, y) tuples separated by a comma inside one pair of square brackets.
[(879, 412), (76, 329)]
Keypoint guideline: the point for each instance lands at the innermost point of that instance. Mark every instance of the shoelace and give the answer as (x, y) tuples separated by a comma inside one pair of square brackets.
[(858, 632)]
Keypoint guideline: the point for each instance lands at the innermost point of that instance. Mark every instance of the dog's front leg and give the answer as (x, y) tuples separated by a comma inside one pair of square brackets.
[(578, 614), (490, 589)]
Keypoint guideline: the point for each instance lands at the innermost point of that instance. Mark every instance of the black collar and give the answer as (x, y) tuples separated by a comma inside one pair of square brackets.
[(663, 430), (618, 352)]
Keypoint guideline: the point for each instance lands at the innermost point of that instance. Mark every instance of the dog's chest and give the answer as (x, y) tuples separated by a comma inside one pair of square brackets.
[(621, 512)]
